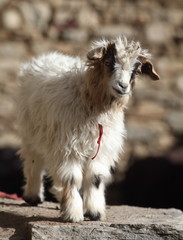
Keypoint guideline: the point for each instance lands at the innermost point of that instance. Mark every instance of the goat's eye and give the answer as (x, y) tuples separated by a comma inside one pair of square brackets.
[(135, 72), (110, 66), (107, 63), (137, 69)]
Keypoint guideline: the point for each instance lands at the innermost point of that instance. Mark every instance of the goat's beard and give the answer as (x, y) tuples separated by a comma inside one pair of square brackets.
[(120, 102)]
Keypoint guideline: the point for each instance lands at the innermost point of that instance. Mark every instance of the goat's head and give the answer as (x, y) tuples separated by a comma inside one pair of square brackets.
[(120, 61)]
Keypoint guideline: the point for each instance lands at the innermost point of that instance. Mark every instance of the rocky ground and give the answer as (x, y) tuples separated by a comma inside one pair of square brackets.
[(20, 222), (154, 118)]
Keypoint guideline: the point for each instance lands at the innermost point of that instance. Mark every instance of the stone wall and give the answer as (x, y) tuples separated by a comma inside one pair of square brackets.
[(154, 118)]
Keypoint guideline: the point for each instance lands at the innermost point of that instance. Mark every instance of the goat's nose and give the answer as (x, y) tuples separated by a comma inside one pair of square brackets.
[(123, 85)]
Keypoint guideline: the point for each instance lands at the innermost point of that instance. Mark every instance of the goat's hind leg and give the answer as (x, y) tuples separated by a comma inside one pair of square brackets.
[(33, 174)]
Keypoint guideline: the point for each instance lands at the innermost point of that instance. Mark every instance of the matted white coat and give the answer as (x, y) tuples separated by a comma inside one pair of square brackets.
[(61, 102)]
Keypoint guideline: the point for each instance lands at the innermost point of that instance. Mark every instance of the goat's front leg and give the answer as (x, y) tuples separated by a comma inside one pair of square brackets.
[(93, 191), (70, 181)]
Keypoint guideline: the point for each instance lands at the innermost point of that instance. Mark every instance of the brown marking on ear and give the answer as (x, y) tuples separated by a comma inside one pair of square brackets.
[(148, 68), (96, 54)]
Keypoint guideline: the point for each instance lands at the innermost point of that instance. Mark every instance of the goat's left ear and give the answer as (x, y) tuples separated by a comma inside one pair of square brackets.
[(106, 53), (148, 68), (96, 54)]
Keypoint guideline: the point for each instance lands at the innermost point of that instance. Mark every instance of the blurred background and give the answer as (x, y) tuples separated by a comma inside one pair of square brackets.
[(151, 169)]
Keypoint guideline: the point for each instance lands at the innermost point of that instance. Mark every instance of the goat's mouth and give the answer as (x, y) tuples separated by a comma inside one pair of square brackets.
[(120, 92)]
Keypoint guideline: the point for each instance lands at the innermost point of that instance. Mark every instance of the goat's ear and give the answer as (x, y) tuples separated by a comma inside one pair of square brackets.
[(148, 68), (96, 54)]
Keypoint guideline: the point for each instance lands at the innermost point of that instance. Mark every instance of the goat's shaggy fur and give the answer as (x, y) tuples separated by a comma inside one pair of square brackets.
[(61, 102)]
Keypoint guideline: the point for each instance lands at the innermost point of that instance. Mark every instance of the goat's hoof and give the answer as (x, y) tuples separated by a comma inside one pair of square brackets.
[(67, 220), (32, 201), (93, 216), (71, 219)]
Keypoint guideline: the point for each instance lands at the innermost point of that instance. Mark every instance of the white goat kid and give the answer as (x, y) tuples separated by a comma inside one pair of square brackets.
[(70, 114)]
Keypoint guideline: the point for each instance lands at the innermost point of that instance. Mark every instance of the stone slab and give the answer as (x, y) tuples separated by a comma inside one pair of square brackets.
[(20, 222)]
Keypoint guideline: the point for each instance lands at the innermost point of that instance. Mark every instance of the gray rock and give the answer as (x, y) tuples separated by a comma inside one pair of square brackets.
[(144, 131), (122, 223), (37, 15), (88, 18), (28, 13), (43, 14), (111, 31), (9, 139), (157, 32), (125, 223), (75, 35), (139, 133), (9, 64), (13, 50), (179, 83), (41, 47), (168, 70), (164, 98), (61, 17), (175, 120), (6, 107), (175, 16)]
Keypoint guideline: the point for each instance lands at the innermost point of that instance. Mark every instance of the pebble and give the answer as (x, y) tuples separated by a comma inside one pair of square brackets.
[(27, 12), (11, 19), (43, 14), (175, 16), (61, 17), (175, 120), (87, 18), (7, 107), (36, 15)]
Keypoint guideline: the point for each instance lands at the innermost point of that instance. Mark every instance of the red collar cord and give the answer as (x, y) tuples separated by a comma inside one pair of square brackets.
[(100, 127)]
